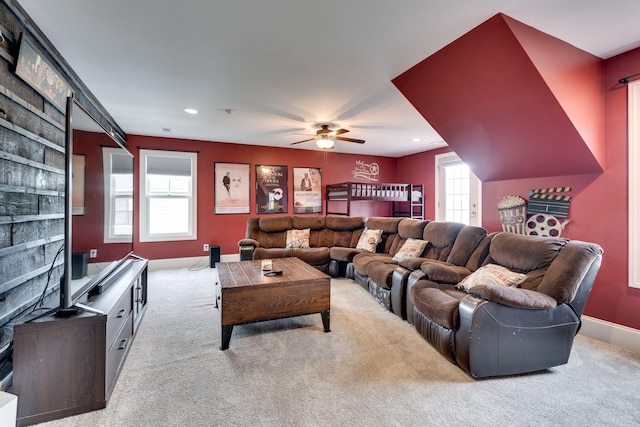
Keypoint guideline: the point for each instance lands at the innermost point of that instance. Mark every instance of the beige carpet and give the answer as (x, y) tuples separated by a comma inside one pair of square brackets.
[(372, 369)]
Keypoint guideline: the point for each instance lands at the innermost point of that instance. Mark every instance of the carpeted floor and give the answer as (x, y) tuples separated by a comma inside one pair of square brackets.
[(371, 369)]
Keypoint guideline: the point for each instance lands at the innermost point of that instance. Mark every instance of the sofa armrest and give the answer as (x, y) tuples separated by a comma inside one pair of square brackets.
[(249, 242), (444, 273), (247, 248), (514, 297)]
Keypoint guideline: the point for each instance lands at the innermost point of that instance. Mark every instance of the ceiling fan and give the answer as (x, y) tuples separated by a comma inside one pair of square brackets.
[(325, 138)]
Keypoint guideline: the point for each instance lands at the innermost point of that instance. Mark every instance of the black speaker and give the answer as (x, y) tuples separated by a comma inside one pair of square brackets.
[(79, 265), (214, 255)]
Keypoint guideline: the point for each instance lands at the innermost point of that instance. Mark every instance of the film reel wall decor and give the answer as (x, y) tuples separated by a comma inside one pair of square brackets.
[(544, 215)]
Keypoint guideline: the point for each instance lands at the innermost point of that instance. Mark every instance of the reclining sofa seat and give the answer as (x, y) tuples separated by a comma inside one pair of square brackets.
[(455, 250), (373, 270), (389, 227), (496, 330), (266, 238)]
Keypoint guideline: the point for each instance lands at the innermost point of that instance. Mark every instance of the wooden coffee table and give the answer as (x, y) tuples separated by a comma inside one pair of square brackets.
[(247, 294)]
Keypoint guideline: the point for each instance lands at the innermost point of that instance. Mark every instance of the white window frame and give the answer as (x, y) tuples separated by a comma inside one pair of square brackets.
[(475, 191), (634, 183), (191, 234), (109, 206)]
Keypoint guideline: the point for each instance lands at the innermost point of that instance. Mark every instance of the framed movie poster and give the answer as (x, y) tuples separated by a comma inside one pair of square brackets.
[(40, 75), (231, 188), (307, 190), (271, 189)]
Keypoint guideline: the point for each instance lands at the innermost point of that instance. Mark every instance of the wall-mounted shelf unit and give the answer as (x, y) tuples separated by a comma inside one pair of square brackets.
[(348, 192), (414, 208)]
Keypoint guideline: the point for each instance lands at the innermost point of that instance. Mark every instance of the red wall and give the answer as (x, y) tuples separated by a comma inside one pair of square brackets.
[(227, 230), (598, 210)]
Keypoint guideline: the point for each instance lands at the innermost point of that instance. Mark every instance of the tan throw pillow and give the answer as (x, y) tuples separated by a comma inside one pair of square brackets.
[(298, 238), (491, 274), (412, 248), (369, 240)]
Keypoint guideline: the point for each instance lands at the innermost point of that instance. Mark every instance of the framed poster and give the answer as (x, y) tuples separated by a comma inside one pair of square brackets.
[(231, 188), (271, 189), (38, 73), (307, 190), (78, 168)]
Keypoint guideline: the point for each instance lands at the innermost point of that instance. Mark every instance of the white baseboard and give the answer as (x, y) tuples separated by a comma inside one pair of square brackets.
[(611, 333), (193, 262)]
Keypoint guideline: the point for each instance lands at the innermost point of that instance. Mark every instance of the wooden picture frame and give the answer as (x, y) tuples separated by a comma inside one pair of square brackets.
[(271, 189), (307, 190), (231, 188), (40, 75)]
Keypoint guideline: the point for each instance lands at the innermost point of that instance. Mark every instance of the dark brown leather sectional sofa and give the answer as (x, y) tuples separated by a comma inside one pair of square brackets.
[(488, 330)]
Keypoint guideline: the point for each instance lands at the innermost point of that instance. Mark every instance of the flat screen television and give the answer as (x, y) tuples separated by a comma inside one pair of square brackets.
[(98, 208)]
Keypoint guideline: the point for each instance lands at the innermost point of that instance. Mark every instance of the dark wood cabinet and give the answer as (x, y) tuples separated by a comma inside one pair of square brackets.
[(67, 366)]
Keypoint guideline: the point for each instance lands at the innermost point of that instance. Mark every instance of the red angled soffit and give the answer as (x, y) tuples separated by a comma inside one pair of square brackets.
[(513, 102)]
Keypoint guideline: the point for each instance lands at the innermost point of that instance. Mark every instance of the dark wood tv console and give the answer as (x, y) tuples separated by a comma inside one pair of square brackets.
[(68, 366)]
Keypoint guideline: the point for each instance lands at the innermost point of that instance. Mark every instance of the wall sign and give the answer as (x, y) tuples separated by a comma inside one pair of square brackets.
[(366, 171)]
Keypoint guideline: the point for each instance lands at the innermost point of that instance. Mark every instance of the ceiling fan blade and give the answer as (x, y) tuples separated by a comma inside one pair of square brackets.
[(341, 131), (300, 142), (358, 141)]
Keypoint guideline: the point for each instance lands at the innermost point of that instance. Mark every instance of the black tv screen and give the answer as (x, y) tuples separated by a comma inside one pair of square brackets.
[(98, 206)]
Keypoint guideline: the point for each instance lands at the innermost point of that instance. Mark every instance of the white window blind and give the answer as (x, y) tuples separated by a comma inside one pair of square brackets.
[(167, 195)]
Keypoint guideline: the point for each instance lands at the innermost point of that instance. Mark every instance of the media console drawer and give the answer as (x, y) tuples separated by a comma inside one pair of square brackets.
[(118, 351), (117, 316)]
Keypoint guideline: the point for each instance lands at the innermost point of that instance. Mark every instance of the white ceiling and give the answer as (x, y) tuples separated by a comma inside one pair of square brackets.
[(282, 65)]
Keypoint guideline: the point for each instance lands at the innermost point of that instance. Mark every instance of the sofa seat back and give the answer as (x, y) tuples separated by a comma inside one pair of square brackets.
[(389, 227), (441, 236), (554, 266)]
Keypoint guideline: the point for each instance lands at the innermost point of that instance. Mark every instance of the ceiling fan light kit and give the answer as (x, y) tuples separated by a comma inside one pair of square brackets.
[(325, 143), (325, 137)]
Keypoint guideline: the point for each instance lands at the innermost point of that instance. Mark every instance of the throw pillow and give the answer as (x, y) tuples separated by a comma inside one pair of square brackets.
[(369, 240), (298, 238), (491, 274), (412, 248)]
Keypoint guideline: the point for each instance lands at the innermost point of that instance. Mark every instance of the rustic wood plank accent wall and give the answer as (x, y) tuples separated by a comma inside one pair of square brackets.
[(32, 176)]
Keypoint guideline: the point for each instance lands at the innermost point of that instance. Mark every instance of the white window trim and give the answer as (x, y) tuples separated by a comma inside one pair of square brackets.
[(192, 234), (634, 184), (442, 160), (107, 159)]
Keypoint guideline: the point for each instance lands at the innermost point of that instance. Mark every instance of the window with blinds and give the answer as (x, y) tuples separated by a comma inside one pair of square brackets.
[(167, 195), (118, 195)]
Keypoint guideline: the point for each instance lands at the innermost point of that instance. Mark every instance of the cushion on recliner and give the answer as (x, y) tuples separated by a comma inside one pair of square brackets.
[(266, 253), (524, 253), (441, 272), (465, 244), (411, 248), (344, 223), (277, 223), (360, 261), (514, 297), (380, 273), (343, 254), (312, 256), (439, 306), (441, 237)]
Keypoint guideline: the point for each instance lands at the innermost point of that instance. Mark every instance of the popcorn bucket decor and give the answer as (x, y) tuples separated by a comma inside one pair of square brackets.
[(513, 211)]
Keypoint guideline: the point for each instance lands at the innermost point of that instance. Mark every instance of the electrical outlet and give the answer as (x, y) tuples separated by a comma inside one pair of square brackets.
[(205, 247), (93, 253)]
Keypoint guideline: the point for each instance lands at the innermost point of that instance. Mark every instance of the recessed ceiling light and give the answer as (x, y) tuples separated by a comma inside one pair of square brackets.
[(191, 111), (415, 139)]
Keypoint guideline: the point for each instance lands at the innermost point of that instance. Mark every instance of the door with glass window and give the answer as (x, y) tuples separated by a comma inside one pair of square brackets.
[(458, 191)]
